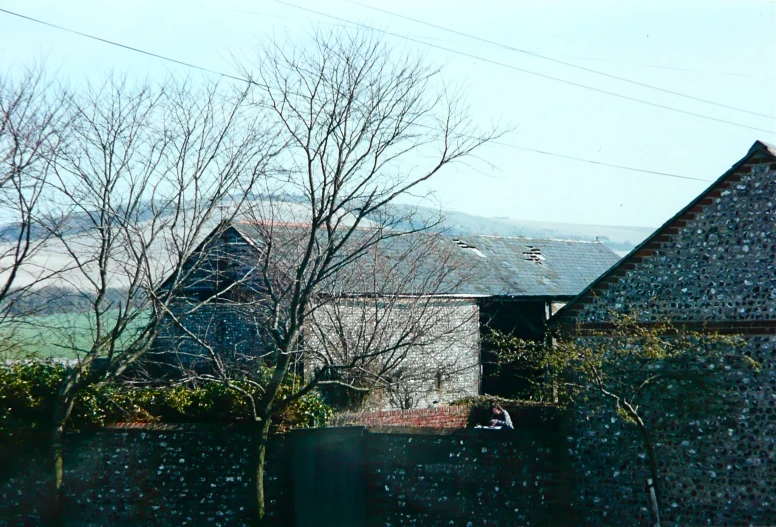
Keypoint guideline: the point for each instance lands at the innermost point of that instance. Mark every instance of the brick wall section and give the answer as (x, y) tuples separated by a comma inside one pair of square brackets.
[(439, 417), (714, 268)]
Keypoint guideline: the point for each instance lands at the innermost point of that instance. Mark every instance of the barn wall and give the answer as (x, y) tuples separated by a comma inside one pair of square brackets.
[(436, 341)]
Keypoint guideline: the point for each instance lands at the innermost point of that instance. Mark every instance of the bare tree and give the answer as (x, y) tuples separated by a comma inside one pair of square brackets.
[(387, 330), (362, 125), (149, 172), (32, 127), (383, 327)]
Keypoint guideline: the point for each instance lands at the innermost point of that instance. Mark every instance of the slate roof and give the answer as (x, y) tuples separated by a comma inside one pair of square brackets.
[(530, 267), (495, 266)]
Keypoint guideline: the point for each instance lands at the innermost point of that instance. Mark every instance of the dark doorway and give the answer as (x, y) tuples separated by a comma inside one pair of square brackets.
[(525, 319)]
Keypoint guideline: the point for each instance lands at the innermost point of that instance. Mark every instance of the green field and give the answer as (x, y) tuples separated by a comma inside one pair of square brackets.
[(56, 336)]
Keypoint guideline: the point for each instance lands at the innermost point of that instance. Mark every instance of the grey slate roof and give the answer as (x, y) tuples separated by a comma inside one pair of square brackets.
[(529, 267), (500, 266)]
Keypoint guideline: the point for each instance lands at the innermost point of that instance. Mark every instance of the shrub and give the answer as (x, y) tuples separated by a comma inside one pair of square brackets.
[(28, 391)]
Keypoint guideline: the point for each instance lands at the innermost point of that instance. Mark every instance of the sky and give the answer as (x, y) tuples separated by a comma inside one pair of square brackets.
[(723, 51)]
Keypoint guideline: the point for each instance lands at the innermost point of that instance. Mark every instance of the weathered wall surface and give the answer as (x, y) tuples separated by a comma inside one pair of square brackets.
[(483, 477), (715, 468), (467, 477), (222, 322), (204, 475), (713, 264), (432, 347), (230, 332), (149, 475), (713, 268)]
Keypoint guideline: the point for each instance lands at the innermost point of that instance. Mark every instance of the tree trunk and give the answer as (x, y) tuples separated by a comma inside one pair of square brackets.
[(652, 491), (263, 440), (654, 509), (61, 415), (57, 460), (266, 407)]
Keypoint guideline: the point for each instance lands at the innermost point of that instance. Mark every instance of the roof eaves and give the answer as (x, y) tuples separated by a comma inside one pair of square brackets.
[(759, 146)]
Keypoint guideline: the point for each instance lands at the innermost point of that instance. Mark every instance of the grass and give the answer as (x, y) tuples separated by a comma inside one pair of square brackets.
[(60, 336)]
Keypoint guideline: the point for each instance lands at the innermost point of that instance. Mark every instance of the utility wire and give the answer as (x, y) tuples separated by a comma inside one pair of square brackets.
[(523, 70), (672, 68), (557, 61), (112, 43), (226, 75), (580, 159), (592, 162)]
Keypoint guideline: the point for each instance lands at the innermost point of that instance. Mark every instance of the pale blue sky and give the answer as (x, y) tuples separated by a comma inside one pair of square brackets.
[(721, 50)]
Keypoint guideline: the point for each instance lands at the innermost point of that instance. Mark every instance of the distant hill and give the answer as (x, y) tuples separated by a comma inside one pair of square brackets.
[(620, 239)]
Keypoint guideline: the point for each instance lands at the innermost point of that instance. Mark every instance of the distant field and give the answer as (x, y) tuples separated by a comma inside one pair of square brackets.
[(56, 336)]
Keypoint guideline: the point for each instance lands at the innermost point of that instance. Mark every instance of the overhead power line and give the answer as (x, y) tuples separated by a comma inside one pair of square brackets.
[(124, 46), (600, 163), (673, 68), (557, 61), (523, 70), (226, 75), (580, 159)]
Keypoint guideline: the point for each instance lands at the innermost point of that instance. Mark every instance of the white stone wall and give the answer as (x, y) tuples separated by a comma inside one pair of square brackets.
[(429, 347)]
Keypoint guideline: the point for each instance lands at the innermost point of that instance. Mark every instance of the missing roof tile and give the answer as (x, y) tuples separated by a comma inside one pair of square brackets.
[(534, 254), (463, 245)]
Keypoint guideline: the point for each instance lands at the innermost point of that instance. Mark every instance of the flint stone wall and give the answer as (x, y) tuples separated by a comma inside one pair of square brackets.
[(435, 343), (486, 478), (716, 264), (146, 475), (713, 268), (220, 322), (205, 475), (469, 477)]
